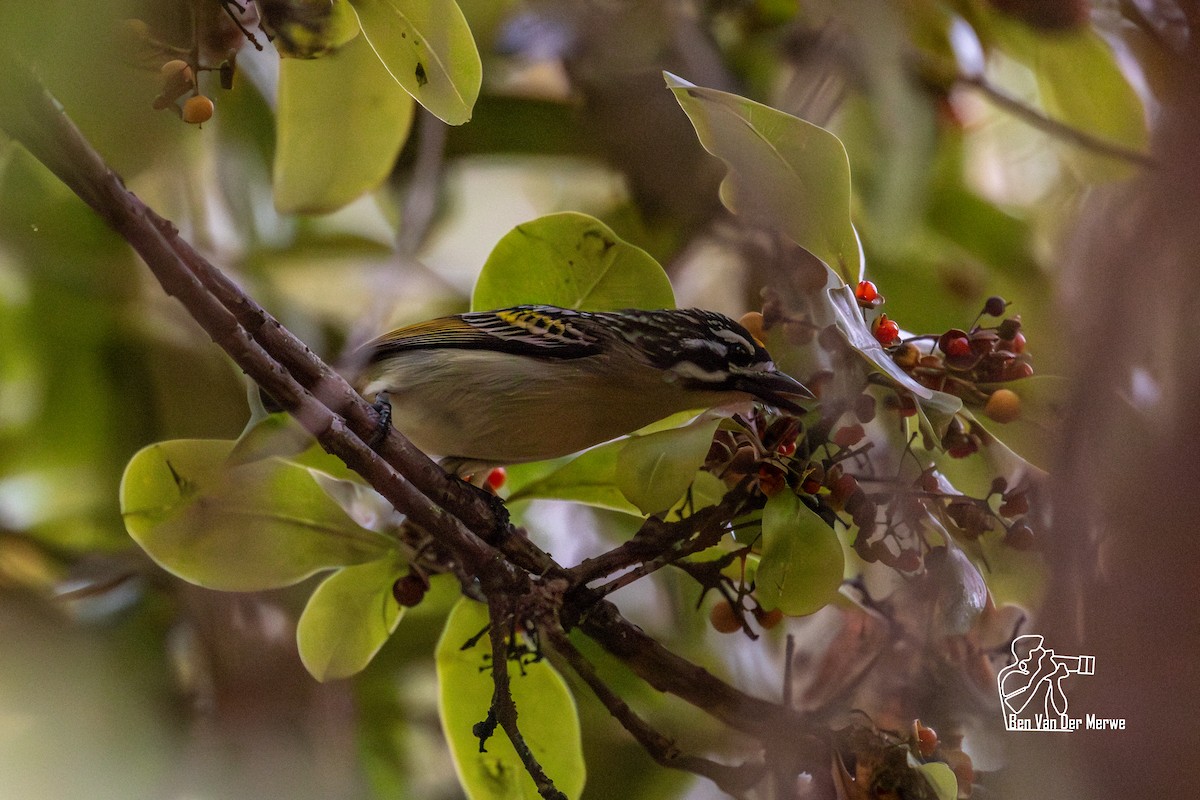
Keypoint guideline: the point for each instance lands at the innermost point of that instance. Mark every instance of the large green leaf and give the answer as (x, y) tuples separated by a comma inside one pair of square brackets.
[(1080, 84), (239, 528), (574, 261), (1035, 433), (941, 780), (590, 478), (348, 618), (547, 715), (802, 560), (654, 470), (340, 125), (427, 48), (783, 172)]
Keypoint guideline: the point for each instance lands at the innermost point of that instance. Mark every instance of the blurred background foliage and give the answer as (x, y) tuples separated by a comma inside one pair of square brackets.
[(976, 132)]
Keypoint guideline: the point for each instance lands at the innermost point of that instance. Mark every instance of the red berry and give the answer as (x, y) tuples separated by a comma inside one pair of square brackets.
[(949, 336), (886, 331), (963, 448), (841, 489), (866, 292), (786, 448), (410, 590), (1020, 537), (959, 347), (496, 478), (848, 435), (927, 740), (752, 321), (1018, 345)]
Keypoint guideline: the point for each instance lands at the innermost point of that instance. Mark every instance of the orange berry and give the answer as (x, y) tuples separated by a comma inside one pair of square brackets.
[(197, 109), (1003, 406), (768, 619), (752, 321), (175, 66)]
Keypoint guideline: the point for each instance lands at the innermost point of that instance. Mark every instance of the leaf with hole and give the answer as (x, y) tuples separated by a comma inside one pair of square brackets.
[(427, 48)]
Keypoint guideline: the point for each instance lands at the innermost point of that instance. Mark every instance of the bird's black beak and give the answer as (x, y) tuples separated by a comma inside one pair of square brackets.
[(774, 388)]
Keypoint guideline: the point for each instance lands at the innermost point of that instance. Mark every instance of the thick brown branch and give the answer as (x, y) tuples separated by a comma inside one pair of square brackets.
[(34, 119)]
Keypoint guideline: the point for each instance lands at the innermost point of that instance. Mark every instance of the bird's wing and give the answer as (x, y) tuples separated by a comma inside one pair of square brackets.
[(541, 331)]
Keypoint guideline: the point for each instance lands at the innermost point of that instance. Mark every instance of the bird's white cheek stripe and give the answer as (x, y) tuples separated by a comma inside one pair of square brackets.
[(686, 369)]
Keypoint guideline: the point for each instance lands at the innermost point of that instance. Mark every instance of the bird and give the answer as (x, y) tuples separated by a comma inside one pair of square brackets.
[(535, 382)]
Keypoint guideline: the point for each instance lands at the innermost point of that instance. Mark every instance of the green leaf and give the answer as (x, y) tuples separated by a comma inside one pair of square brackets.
[(348, 618), (941, 779), (427, 48), (340, 124), (654, 470), (783, 172), (1081, 85), (573, 261), (547, 715), (802, 561), (590, 478), (238, 528), (1034, 434), (277, 434)]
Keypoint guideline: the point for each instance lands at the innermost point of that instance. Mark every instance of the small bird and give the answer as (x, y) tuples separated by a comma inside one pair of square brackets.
[(534, 382)]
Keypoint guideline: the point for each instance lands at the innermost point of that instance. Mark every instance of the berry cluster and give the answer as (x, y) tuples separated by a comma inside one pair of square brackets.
[(967, 363), (217, 36)]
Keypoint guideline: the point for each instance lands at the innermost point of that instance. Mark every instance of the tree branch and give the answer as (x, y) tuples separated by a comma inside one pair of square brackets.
[(733, 779), (481, 544), (503, 708)]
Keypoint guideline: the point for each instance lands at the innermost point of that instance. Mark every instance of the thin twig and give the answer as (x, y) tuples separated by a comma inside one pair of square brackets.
[(733, 779), (421, 199), (503, 708), (1056, 128)]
